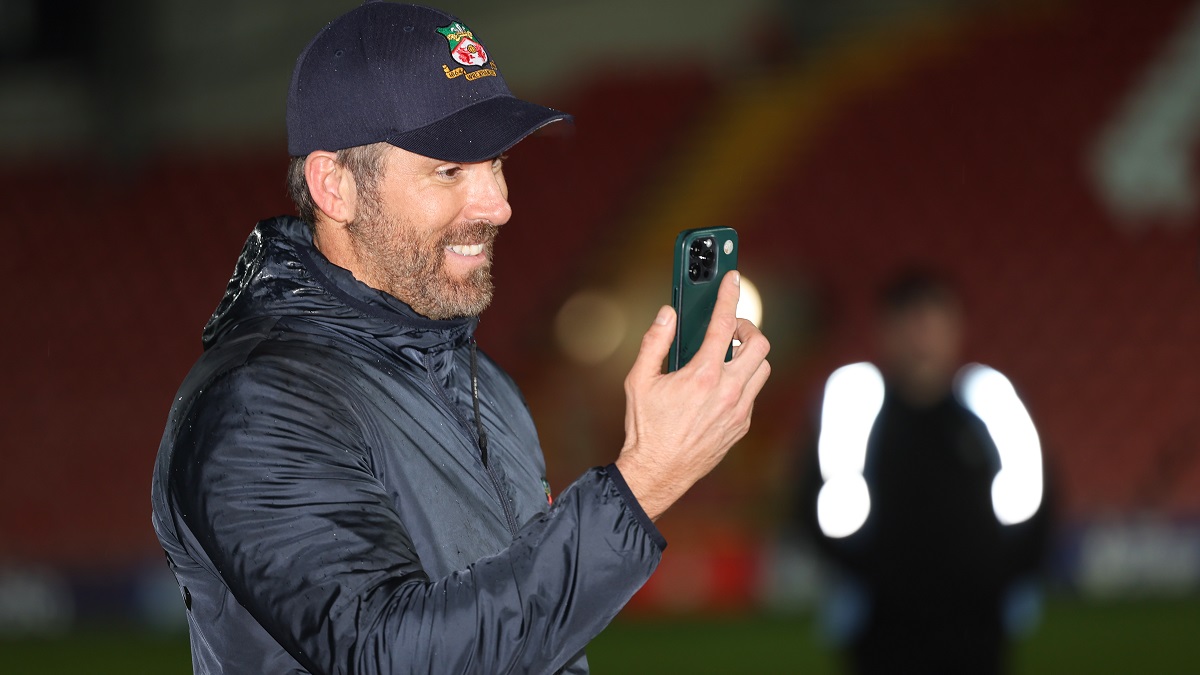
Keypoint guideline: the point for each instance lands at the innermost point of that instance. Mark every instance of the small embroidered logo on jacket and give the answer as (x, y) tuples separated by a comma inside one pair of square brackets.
[(546, 487)]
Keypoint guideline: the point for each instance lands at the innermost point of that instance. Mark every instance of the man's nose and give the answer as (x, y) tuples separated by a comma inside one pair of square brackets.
[(487, 198)]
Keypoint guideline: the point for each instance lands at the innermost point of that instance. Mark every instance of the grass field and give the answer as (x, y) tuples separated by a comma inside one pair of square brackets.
[(1156, 637)]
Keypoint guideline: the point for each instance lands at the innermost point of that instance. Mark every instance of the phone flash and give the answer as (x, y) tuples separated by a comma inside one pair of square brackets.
[(728, 246)]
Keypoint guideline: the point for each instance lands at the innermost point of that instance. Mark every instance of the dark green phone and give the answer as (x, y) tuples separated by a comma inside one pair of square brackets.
[(702, 257)]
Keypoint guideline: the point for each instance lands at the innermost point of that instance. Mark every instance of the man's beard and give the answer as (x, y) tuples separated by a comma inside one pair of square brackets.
[(411, 266)]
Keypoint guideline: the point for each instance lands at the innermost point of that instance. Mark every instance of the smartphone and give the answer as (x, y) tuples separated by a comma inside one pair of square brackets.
[(702, 257)]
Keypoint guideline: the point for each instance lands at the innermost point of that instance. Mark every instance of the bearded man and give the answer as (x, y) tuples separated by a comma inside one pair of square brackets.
[(345, 484)]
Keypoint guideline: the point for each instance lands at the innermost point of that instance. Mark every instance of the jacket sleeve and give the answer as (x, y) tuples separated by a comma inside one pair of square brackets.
[(270, 477), (847, 554)]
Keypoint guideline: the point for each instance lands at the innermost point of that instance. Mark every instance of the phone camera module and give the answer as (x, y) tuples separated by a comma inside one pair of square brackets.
[(702, 261)]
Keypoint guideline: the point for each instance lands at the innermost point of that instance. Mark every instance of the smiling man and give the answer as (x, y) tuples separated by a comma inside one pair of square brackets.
[(345, 484), (425, 235)]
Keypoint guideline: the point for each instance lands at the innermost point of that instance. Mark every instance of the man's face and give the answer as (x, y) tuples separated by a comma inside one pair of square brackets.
[(425, 233), (922, 344)]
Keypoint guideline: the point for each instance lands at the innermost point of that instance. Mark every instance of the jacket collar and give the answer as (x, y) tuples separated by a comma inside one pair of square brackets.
[(281, 273)]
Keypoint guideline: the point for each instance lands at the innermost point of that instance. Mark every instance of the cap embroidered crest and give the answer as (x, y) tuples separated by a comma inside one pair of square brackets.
[(463, 46)]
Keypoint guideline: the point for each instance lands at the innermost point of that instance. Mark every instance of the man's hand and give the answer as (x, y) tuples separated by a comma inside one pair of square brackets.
[(678, 426)]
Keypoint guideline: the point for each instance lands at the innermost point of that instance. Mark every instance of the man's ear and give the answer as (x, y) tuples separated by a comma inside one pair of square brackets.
[(331, 185)]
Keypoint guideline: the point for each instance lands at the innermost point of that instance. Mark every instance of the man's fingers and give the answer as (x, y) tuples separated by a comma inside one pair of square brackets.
[(753, 350), (745, 330), (655, 345), (757, 380), (723, 322)]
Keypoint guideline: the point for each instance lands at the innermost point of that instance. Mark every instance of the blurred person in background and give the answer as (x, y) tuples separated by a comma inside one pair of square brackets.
[(345, 483), (926, 493)]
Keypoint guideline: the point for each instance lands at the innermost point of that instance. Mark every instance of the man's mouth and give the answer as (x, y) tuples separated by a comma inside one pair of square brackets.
[(466, 249)]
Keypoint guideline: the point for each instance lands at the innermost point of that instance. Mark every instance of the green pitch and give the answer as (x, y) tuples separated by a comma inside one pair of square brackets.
[(1161, 637)]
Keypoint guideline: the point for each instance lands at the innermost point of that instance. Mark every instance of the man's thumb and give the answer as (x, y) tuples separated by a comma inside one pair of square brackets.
[(655, 344)]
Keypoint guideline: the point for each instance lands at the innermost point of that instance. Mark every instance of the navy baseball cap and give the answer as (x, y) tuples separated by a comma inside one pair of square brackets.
[(412, 76)]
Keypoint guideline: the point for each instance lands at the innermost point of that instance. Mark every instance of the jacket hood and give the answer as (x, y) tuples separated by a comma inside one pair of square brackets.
[(280, 273)]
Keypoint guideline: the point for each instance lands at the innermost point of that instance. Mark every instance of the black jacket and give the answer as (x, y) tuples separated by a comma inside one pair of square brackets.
[(322, 499), (932, 533), (933, 561)]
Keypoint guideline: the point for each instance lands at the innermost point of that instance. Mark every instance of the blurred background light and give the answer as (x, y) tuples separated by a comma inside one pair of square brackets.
[(590, 326), (750, 306)]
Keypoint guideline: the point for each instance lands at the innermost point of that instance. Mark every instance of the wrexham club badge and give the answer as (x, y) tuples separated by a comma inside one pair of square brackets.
[(465, 50)]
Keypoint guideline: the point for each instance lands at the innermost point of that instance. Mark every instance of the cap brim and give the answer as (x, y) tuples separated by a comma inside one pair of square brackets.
[(478, 132)]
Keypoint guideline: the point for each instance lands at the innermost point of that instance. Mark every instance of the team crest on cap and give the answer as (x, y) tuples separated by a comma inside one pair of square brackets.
[(463, 46), (465, 49)]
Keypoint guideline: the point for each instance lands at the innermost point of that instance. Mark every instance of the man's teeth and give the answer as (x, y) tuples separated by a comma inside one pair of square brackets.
[(473, 249)]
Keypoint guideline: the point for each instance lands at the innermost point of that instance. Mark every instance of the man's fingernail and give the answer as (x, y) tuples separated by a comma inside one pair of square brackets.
[(664, 315), (737, 278)]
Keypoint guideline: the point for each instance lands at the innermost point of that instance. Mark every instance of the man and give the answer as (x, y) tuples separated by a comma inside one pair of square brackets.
[(345, 485), (926, 491)]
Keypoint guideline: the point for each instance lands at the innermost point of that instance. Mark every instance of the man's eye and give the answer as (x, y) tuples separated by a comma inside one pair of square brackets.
[(449, 172)]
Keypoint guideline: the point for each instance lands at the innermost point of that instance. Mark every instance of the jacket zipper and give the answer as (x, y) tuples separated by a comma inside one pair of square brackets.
[(509, 517)]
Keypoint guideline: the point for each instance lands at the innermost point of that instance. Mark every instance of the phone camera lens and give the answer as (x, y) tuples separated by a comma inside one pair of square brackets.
[(702, 261)]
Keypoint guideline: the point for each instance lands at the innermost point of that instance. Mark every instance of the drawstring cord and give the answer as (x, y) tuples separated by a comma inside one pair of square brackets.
[(483, 453), (501, 491)]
